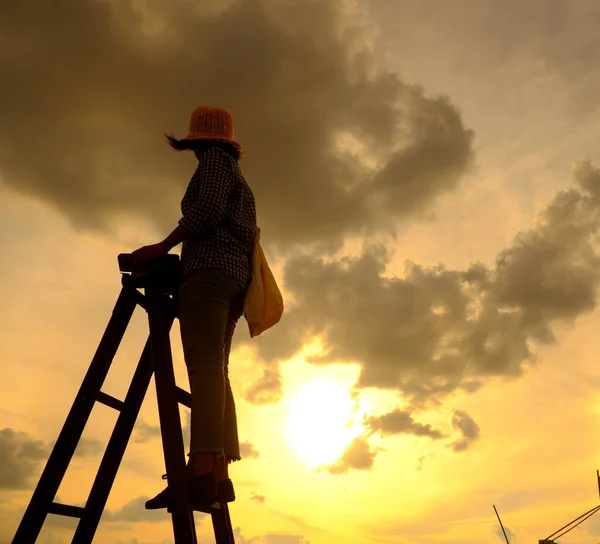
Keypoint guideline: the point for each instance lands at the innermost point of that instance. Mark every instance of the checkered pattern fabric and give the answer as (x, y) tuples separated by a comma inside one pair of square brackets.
[(219, 212)]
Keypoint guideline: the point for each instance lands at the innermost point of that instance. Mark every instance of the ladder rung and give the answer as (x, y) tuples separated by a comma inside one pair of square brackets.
[(183, 397), (66, 510), (112, 402), (141, 300)]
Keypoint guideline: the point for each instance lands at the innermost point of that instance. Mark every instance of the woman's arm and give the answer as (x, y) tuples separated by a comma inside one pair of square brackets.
[(209, 209), (175, 238), (142, 255)]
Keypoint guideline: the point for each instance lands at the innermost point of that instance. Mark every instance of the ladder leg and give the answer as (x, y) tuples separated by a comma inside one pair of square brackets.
[(222, 525), (159, 307), (115, 449), (62, 453), (229, 527)]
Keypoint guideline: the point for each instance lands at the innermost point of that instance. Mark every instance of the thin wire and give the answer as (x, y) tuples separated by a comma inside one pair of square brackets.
[(555, 532), (588, 515), (584, 519)]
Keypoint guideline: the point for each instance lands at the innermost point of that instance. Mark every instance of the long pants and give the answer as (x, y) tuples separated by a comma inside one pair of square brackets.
[(210, 304)]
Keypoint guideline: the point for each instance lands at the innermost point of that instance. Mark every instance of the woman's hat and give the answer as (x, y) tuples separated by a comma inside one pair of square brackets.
[(212, 123)]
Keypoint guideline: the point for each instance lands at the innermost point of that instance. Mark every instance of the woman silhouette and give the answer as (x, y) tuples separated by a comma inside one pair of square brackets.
[(217, 229)]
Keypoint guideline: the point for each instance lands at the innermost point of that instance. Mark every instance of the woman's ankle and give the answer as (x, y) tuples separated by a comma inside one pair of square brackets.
[(220, 470), (200, 463)]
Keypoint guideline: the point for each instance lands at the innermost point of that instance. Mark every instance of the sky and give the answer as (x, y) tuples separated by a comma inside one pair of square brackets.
[(427, 185)]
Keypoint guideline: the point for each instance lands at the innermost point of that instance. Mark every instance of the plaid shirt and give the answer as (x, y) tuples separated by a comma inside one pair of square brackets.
[(219, 213)]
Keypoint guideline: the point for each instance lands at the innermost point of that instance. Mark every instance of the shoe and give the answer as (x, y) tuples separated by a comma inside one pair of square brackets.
[(202, 493), (226, 492), (161, 500)]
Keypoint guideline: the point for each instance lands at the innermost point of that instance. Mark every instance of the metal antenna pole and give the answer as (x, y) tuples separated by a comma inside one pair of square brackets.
[(501, 526)]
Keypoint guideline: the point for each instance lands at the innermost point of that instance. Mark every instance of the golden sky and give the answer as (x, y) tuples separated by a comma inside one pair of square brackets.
[(426, 183)]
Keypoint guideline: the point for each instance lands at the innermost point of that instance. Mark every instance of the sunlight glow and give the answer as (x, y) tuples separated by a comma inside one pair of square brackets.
[(321, 421)]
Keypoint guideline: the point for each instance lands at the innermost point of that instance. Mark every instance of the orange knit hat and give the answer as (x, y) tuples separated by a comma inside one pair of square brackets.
[(212, 123)]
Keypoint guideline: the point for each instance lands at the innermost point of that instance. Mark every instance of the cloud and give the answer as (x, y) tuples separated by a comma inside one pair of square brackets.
[(86, 447), (52, 538), (187, 429), (134, 511), (464, 423), (284, 539), (20, 458), (357, 456), (64, 522), (267, 389), (401, 422), (248, 450), (360, 456), (336, 144), (136, 541), (512, 537), (258, 498), (550, 30), (435, 331), (144, 432), (272, 538)]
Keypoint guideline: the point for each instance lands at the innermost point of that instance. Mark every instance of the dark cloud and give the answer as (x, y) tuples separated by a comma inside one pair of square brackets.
[(555, 32), (273, 538), (20, 459), (266, 389), (237, 533), (88, 447), (469, 430), (512, 537), (401, 422), (64, 522), (435, 331), (187, 429), (358, 456), (144, 432), (134, 511), (89, 90), (52, 538), (258, 498), (284, 539), (136, 541), (248, 450), (592, 527)]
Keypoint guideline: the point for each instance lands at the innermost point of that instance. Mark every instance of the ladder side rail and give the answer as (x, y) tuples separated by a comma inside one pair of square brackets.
[(115, 449), (222, 525), (66, 444), (160, 309)]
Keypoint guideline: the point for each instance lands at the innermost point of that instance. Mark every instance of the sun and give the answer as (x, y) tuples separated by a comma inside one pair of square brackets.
[(320, 425)]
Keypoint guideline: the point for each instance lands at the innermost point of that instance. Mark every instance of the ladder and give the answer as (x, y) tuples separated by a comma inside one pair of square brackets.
[(159, 279)]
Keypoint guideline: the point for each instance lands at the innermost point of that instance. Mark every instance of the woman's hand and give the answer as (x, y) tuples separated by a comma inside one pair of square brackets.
[(142, 255)]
